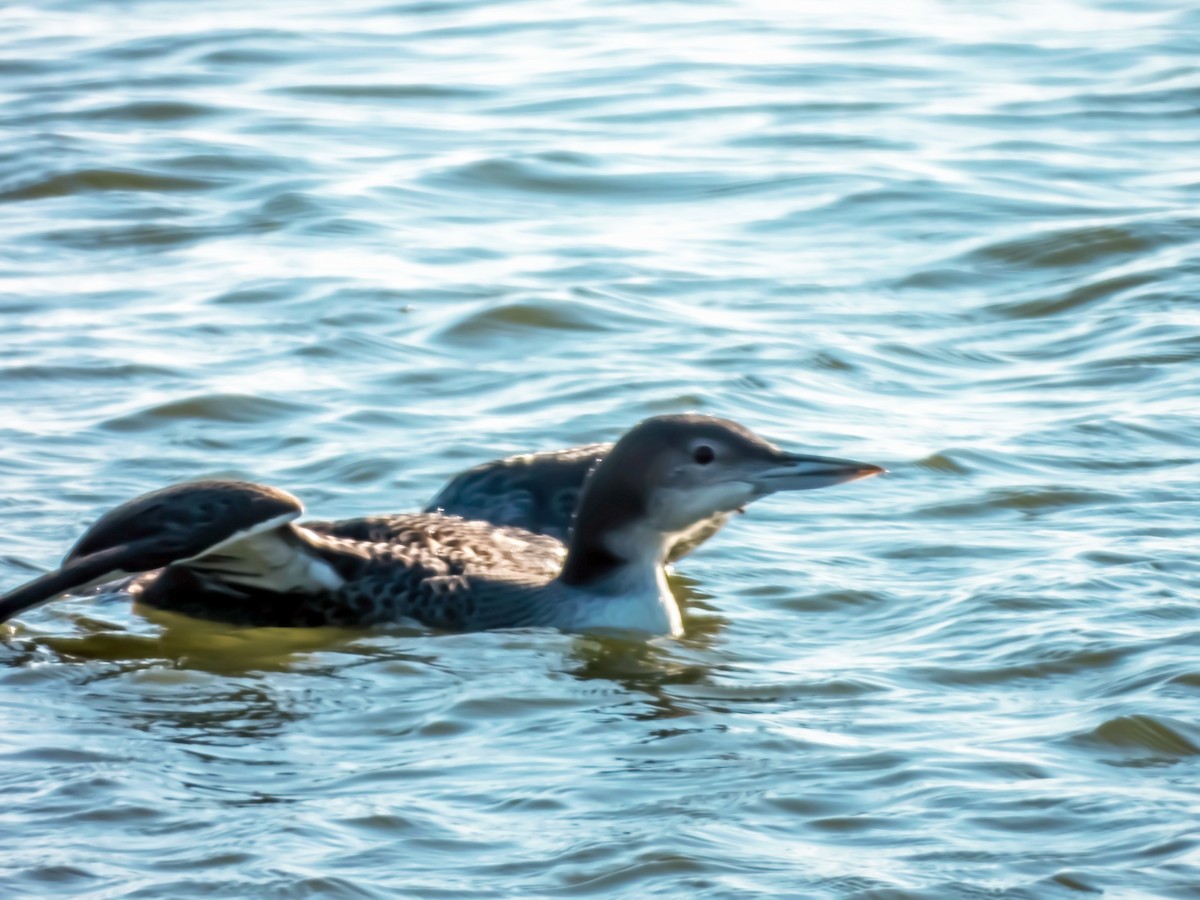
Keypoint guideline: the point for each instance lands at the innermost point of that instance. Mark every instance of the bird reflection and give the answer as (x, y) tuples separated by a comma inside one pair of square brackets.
[(648, 670)]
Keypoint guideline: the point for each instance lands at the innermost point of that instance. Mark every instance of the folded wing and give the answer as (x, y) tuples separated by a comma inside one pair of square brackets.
[(226, 531)]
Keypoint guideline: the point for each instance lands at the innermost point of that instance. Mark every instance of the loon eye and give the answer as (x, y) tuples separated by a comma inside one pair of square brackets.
[(704, 454)]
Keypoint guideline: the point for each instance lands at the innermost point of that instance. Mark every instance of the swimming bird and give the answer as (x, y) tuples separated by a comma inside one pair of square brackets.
[(233, 551)]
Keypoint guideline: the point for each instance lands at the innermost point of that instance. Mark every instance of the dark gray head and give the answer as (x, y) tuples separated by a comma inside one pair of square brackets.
[(671, 472)]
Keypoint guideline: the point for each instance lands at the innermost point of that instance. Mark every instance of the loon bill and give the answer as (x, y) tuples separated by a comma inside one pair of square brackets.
[(233, 551)]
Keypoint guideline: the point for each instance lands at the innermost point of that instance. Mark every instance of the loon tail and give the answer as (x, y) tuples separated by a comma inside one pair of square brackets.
[(209, 524), (75, 574)]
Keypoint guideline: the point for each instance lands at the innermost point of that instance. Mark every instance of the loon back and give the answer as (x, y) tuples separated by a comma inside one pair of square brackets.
[(535, 491)]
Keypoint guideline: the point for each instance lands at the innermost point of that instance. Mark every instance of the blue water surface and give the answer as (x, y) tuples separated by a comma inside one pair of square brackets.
[(350, 249)]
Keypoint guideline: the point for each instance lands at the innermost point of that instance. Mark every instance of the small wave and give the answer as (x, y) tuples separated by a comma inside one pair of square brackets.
[(225, 163), (99, 372), (1075, 298), (550, 317), (1067, 248), (554, 175), (1026, 500), (240, 409), (1162, 737), (84, 181), (136, 237), (349, 469), (944, 462), (1053, 664), (382, 91), (148, 112)]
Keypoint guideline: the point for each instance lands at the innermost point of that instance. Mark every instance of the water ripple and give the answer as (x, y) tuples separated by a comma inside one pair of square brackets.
[(353, 250)]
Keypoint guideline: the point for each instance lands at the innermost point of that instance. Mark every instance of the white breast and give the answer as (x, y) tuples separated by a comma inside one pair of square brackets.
[(646, 608)]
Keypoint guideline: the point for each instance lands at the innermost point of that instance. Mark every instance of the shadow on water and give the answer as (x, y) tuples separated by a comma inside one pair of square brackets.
[(156, 638), (652, 667)]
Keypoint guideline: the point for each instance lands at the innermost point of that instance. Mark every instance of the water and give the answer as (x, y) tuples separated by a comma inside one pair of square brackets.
[(351, 249)]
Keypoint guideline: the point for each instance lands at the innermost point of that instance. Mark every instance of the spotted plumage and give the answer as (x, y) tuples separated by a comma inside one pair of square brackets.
[(440, 570)]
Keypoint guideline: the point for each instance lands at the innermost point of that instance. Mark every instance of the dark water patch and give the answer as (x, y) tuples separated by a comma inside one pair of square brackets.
[(1076, 298), (350, 469), (165, 84), (807, 111), (246, 56), (938, 280), (371, 419), (848, 825), (1082, 246), (831, 72), (826, 601), (922, 207), (92, 180), (98, 372), (149, 112), (944, 462), (234, 409), (932, 550), (427, 7), (1111, 558), (570, 105), (586, 395), (22, 67), (157, 46), (54, 878), (1182, 100), (287, 209), (649, 867), (554, 177), (364, 346), (131, 815), (132, 237), (206, 860), (354, 92), (1059, 663), (555, 319), (253, 296), (61, 755), (1145, 737), (224, 163), (1075, 881), (1029, 500), (941, 357), (822, 140), (755, 694)]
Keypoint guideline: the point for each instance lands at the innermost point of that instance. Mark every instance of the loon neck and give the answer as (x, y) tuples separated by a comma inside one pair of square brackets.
[(616, 561), (619, 582), (611, 539)]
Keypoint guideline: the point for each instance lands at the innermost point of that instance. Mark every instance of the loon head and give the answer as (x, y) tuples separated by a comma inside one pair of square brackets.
[(670, 473)]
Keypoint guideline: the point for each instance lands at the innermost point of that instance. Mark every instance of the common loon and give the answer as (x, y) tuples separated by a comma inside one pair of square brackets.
[(232, 551)]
